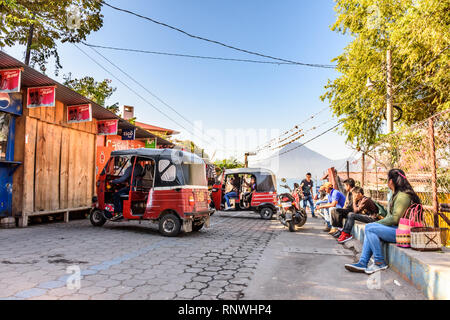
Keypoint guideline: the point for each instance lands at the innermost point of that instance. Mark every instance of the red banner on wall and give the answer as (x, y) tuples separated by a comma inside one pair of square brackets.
[(41, 97), (79, 113), (107, 127), (10, 80)]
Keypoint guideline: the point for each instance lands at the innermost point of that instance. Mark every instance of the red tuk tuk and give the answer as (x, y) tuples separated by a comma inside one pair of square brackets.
[(262, 200), (165, 186)]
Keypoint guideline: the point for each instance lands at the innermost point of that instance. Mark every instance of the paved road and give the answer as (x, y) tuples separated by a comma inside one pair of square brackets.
[(231, 260)]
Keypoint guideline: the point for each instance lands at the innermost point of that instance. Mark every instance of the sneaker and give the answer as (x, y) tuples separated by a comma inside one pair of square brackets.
[(333, 230), (376, 267), (327, 229), (355, 267), (337, 234), (344, 237)]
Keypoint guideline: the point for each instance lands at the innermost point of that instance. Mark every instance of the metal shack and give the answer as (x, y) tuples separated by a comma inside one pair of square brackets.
[(47, 162)]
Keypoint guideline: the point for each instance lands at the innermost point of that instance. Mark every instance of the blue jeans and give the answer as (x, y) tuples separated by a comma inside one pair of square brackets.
[(229, 195), (309, 199), (325, 212), (374, 233), (118, 203)]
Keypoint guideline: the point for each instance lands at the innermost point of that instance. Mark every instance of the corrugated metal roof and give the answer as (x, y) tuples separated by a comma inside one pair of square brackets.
[(33, 78)]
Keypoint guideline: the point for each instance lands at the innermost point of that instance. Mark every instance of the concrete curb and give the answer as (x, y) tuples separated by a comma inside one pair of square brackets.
[(427, 271)]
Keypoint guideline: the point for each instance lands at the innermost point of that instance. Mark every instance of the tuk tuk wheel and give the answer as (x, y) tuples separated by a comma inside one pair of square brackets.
[(197, 227), (97, 218), (169, 225), (266, 213), (292, 227)]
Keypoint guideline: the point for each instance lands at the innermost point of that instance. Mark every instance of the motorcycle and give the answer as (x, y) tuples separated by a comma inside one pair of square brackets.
[(291, 214)]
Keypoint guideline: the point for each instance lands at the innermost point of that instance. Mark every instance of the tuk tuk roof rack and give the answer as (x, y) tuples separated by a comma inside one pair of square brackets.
[(184, 156)]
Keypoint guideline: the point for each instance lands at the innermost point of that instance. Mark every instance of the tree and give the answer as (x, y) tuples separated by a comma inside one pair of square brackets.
[(40, 24), (190, 146), (417, 34), (98, 92), (230, 163)]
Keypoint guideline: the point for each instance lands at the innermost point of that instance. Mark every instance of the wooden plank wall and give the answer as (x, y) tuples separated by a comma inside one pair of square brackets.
[(59, 161)]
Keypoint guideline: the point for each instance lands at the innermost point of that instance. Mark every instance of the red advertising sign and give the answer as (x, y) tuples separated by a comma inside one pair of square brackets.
[(107, 127), (41, 97), (116, 143), (10, 80), (79, 113)]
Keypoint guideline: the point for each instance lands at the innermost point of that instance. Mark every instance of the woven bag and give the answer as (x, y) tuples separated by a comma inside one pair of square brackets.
[(426, 239), (413, 217)]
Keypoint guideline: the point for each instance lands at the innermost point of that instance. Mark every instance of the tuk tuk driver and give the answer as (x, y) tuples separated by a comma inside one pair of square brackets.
[(126, 177), (252, 186), (234, 192)]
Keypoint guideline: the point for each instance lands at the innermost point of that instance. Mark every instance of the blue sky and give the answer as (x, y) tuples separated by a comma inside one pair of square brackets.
[(222, 95)]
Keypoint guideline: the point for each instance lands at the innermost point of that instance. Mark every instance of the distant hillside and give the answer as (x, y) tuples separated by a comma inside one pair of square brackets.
[(296, 163)]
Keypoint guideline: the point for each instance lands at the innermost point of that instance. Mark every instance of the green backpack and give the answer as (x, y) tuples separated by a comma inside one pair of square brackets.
[(381, 210)]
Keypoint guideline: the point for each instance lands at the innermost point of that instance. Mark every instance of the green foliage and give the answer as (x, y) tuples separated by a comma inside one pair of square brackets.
[(418, 35), (114, 108), (229, 163), (190, 146), (50, 21), (96, 91)]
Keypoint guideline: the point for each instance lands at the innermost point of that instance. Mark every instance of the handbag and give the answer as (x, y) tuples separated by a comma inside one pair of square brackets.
[(426, 239), (412, 218)]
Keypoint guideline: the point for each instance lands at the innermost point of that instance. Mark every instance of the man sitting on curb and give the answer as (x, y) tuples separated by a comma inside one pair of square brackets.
[(321, 199), (364, 210), (335, 200), (338, 215)]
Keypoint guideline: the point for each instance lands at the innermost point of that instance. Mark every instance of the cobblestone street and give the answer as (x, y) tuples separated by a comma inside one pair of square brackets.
[(240, 257), (131, 261)]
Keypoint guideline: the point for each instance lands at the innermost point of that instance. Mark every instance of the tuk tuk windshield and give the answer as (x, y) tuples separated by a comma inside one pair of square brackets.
[(194, 174), (117, 165), (265, 182)]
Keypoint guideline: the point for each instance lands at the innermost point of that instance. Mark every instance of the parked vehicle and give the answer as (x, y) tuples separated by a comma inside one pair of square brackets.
[(168, 187), (264, 198), (291, 214)]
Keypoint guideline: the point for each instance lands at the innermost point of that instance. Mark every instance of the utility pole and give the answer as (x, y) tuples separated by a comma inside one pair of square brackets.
[(389, 115), (29, 43), (348, 169), (246, 158)]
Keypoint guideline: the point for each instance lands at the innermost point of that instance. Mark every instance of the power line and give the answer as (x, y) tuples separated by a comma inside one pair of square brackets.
[(300, 145), (326, 66), (280, 138), (301, 135), (136, 93), (186, 55), (147, 90)]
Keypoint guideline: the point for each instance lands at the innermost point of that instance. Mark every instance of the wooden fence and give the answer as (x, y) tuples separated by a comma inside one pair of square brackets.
[(58, 168)]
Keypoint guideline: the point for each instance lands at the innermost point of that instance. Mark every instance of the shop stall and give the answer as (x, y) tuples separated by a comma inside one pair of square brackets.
[(48, 146)]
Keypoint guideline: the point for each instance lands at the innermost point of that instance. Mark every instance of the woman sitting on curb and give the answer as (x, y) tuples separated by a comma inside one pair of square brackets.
[(403, 197)]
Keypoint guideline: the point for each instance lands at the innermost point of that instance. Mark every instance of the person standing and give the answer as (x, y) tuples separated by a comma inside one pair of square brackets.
[(306, 187)]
